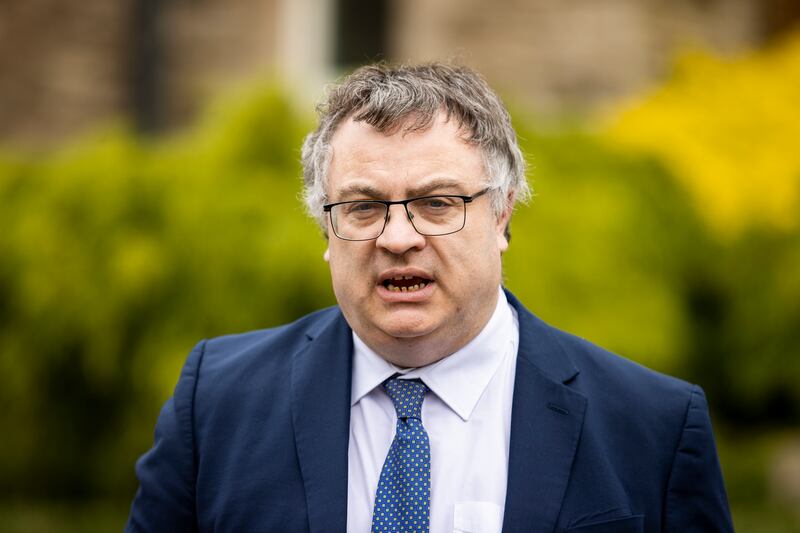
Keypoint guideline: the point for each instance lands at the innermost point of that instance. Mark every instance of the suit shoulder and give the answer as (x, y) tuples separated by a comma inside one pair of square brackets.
[(628, 402), (265, 346), (598, 360), (563, 355), (599, 364), (299, 330), (618, 382), (236, 375)]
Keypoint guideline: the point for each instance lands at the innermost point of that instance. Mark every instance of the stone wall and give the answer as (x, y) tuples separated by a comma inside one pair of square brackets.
[(573, 53), (67, 66), (61, 68)]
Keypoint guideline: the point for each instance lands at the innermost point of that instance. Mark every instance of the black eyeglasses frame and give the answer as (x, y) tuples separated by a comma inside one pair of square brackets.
[(388, 203)]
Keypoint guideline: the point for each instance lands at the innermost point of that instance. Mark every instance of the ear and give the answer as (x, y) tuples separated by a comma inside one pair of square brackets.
[(327, 255), (502, 223)]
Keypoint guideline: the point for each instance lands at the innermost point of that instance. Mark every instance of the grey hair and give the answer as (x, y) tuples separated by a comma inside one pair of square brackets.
[(408, 98)]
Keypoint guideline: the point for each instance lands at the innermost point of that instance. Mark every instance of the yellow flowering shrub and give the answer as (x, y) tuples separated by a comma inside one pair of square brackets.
[(729, 129)]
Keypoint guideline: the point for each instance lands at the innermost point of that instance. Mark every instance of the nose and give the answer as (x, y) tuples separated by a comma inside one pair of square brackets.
[(399, 235)]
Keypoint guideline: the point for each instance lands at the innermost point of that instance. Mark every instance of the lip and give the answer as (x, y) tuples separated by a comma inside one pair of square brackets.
[(417, 296)]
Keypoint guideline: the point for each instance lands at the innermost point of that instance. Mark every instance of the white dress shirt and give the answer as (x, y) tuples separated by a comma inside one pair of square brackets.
[(467, 414)]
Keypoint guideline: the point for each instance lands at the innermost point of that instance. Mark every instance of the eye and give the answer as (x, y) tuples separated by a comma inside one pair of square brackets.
[(437, 202), (362, 209)]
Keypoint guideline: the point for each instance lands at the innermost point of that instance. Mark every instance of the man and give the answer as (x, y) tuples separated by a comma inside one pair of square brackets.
[(429, 399)]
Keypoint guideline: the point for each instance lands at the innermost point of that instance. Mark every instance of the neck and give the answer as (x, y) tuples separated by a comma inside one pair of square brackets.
[(414, 352)]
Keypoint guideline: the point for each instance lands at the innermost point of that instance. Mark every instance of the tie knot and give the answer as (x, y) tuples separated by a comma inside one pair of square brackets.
[(407, 396)]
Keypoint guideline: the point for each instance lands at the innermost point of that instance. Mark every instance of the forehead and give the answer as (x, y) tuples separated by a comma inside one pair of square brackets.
[(403, 162)]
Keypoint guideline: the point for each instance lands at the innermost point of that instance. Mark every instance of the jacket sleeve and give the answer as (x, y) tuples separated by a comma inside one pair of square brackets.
[(165, 500), (696, 499)]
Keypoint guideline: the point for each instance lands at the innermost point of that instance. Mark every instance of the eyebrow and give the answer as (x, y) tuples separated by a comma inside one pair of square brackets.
[(358, 190), (362, 190), (436, 185)]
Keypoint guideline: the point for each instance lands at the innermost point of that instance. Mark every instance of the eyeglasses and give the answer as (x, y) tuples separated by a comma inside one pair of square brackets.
[(364, 220)]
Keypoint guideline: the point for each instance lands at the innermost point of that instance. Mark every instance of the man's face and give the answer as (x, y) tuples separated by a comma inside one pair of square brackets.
[(461, 271)]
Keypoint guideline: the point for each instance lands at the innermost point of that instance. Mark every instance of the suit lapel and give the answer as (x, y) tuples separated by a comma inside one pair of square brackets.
[(321, 416), (546, 422)]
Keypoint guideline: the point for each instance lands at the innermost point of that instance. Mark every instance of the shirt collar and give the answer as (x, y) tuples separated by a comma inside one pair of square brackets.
[(460, 379)]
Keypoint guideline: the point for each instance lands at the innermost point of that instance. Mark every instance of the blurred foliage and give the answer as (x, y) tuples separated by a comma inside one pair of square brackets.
[(118, 254), (758, 504), (729, 130), (61, 517), (603, 248)]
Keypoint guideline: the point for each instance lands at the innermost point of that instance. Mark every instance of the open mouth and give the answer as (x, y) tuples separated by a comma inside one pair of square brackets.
[(406, 283)]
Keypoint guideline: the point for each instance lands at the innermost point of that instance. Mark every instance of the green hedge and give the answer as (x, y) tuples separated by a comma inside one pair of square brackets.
[(118, 256)]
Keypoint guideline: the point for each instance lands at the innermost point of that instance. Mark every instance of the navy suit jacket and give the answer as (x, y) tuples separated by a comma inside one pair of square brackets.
[(255, 439)]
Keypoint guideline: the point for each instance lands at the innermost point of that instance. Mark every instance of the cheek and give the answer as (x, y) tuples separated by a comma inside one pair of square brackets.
[(349, 270), (339, 268), (482, 260), (468, 263)]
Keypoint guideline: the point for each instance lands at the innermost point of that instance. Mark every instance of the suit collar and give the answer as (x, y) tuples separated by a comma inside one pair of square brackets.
[(321, 416), (546, 421)]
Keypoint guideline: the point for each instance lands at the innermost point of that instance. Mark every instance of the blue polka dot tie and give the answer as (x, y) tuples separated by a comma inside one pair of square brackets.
[(402, 502)]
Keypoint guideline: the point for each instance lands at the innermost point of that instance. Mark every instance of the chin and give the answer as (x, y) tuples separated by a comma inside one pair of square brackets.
[(406, 325)]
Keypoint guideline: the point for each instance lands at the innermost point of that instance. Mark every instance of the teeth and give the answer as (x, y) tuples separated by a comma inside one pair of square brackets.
[(412, 288)]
